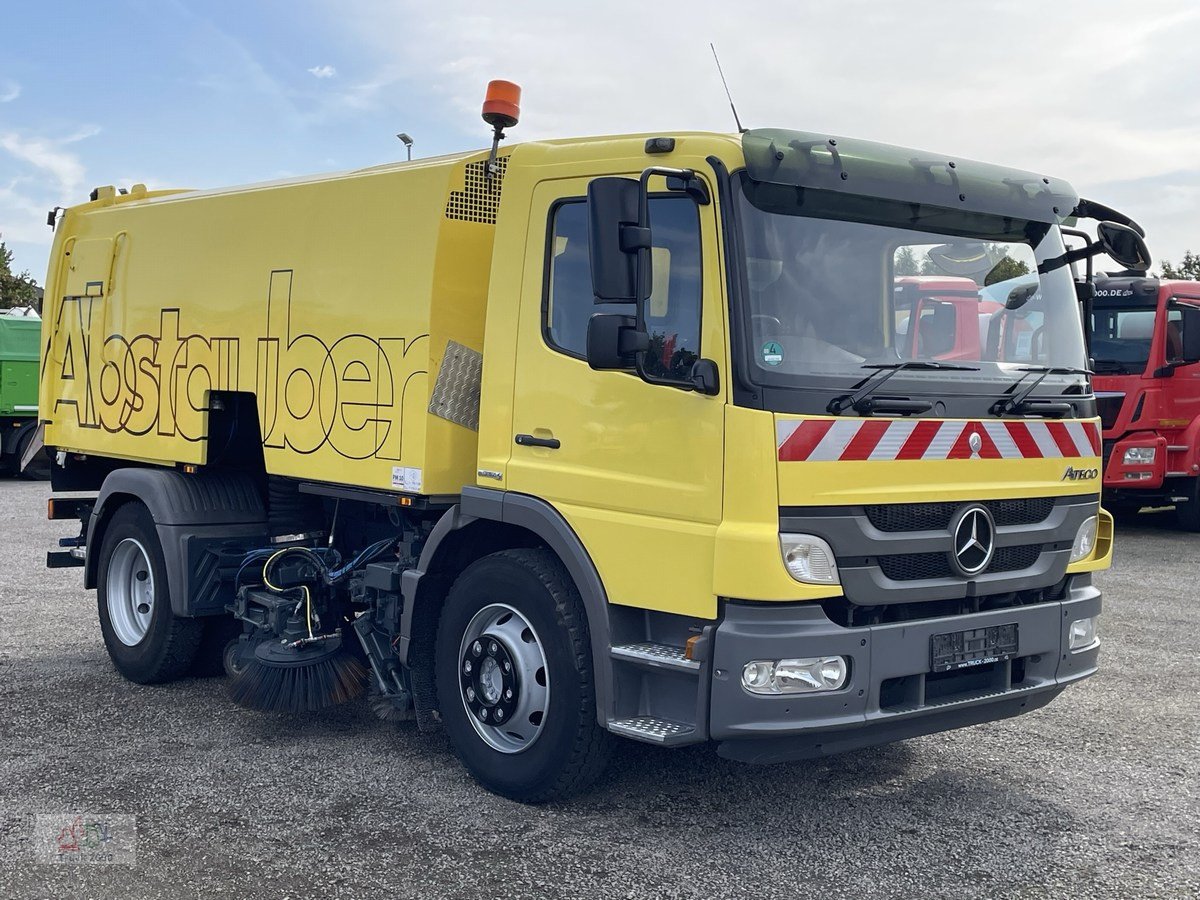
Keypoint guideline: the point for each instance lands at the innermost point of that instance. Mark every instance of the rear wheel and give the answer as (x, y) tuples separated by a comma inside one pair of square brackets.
[(1188, 514), (147, 642), (514, 678)]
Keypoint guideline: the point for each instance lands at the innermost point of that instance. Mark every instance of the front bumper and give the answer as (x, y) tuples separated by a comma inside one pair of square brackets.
[(891, 693)]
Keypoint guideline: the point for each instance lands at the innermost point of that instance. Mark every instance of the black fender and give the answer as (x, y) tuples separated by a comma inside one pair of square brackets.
[(10, 438), (189, 511), (545, 522)]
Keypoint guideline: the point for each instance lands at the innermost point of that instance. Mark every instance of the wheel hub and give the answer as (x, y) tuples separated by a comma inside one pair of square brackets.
[(503, 678), (130, 592), (489, 681)]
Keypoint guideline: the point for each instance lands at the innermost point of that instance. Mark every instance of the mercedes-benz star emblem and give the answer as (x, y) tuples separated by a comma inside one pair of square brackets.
[(975, 442), (974, 536)]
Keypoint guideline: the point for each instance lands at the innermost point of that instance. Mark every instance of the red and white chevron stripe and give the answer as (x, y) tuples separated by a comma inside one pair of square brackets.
[(827, 440)]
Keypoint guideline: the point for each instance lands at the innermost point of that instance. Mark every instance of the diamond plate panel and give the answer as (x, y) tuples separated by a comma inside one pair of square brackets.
[(455, 394)]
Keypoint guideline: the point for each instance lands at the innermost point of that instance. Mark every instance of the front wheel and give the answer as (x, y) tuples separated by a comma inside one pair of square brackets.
[(147, 642), (514, 678), (1188, 514)]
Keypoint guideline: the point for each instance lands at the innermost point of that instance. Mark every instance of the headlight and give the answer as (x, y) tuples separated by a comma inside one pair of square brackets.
[(809, 559), (811, 675), (1085, 540), (1139, 456), (1083, 634)]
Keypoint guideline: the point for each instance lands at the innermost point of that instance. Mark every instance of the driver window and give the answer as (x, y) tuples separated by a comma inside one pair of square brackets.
[(673, 309)]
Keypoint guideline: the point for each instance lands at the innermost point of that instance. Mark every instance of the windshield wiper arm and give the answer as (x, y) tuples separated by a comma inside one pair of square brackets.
[(1020, 401), (861, 401)]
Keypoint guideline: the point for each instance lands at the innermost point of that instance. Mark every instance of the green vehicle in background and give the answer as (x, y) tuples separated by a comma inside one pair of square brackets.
[(20, 337)]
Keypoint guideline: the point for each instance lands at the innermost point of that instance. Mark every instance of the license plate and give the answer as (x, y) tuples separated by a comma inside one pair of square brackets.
[(974, 647)]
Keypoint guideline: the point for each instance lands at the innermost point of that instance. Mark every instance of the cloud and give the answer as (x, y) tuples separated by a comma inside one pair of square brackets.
[(48, 173), (323, 71), (1077, 90), (49, 156), (9, 91)]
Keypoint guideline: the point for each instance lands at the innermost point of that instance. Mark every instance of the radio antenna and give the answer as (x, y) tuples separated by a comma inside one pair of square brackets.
[(717, 60)]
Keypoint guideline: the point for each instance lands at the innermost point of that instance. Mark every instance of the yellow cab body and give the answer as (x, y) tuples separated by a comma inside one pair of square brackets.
[(339, 302)]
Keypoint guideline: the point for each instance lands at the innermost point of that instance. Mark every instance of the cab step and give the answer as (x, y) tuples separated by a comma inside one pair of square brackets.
[(654, 730), (656, 656)]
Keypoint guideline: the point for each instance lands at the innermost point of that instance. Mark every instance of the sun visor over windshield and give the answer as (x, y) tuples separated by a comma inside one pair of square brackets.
[(865, 168)]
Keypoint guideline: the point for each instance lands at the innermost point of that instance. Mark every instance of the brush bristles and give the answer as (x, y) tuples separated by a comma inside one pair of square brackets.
[(383, 706), (296, 689)]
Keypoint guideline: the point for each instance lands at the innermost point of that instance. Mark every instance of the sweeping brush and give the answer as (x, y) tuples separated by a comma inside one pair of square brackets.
[(298, 677), (387, 708)]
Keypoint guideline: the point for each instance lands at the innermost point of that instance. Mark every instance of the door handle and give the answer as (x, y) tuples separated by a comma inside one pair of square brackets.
[(528, 440)]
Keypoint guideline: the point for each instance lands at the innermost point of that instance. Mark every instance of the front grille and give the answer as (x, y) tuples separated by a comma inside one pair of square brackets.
[(918, 566), (848, 614), (899, 517), (1109, 407), (1011, 559)]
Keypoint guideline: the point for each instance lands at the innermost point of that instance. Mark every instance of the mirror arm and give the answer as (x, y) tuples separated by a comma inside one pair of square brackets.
[(1077, 255), (643, 258), (1090, 209)]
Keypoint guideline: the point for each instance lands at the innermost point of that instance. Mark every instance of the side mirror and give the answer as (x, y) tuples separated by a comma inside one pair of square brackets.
[(1191, 333), (1021, 295), (613, 342), (705, 377), (1124, 245), (614, 238)]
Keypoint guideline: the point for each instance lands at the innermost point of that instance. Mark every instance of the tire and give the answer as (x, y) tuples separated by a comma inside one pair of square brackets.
[(1124, 513), (548, 756), (1188, 514), (149, 645)]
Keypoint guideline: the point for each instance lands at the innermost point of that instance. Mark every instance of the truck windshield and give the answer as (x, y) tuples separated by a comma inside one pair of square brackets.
[(1121, 337), (835, 282)]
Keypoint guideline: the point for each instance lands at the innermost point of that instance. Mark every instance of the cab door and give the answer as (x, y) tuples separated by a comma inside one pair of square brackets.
[(635, 468)]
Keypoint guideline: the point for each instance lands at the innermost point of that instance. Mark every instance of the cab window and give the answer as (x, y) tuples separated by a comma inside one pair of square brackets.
[(673, 310)]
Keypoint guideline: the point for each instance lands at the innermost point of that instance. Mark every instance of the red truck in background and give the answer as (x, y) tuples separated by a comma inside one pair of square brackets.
[(1145, 347), (947, 317)]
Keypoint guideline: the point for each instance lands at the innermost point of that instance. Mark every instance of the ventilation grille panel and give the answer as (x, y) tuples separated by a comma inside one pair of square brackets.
[(479, 199)]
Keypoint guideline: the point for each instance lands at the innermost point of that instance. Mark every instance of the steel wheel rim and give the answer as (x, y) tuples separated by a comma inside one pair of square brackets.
[(507, 707), (129, 591)]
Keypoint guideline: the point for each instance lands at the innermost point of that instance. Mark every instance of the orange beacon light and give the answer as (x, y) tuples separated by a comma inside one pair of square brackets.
[(502, 104)]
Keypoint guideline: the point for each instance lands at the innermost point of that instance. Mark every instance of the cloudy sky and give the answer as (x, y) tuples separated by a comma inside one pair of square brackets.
[(183, 93)]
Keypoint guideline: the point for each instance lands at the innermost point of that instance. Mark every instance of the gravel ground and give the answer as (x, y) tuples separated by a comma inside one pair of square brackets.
[(1096, 795)]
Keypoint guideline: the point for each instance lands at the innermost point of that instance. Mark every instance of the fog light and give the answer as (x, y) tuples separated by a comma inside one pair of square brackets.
[(1083, 634), (1139, 456), (808, 558), (810, 675), (1085, 540)]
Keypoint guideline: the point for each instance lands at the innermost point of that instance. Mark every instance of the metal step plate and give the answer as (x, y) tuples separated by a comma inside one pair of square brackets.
[(653, 730), (660, 656)]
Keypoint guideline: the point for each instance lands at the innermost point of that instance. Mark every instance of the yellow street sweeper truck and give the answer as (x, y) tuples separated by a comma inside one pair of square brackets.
[(577, 439)]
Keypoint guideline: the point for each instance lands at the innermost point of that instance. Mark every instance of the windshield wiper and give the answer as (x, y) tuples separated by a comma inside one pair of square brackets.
[(864, 404), (1020, 403)]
